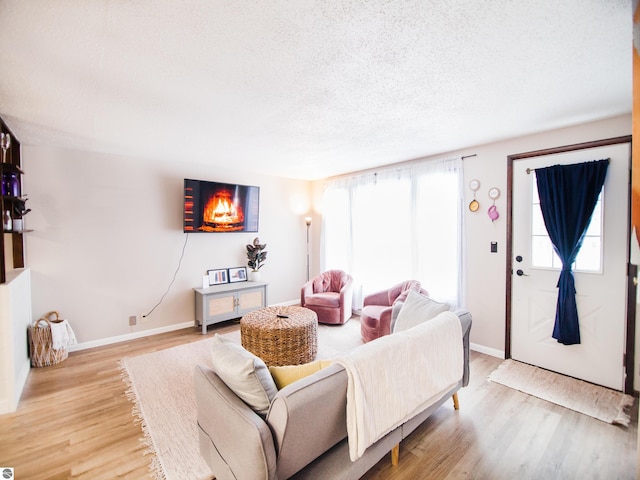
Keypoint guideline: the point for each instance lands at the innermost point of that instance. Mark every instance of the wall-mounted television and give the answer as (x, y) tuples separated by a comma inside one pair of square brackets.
[(220, 207)]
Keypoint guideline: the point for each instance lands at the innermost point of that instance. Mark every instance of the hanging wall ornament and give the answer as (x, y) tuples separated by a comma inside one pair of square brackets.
[(474, 185), (494, 193)]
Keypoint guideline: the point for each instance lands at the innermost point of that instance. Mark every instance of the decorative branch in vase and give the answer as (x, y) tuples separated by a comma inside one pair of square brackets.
[(257, 255)]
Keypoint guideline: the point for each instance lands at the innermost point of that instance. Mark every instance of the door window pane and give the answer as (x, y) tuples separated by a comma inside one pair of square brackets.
[(537, 222), (542, 253), (589, 258)]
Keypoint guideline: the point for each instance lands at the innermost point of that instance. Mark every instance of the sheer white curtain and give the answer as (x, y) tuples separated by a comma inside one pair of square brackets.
[(398, 224)]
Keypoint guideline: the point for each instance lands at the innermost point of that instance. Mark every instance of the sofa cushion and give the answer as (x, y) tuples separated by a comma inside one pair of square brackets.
[(244, 373), (371, 314), (287, 374), (416, 309), (324, 299)]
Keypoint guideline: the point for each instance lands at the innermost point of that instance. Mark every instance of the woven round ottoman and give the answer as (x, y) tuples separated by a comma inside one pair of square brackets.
[(281, 335)]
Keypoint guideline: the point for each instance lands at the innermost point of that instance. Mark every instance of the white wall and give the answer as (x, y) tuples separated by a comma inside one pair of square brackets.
[(108, 237)]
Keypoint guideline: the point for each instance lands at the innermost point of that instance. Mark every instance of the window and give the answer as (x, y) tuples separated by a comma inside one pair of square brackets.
[(543, 255), (398, 224)]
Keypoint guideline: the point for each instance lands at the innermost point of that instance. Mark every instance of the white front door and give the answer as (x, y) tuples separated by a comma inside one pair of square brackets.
[(600, 275)]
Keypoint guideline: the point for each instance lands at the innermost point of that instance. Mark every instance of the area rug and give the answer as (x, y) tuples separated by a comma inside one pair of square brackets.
[(160, 384), (599, 402)]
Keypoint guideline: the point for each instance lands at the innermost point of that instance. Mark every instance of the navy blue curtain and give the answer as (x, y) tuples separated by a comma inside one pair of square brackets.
[(568, 194)]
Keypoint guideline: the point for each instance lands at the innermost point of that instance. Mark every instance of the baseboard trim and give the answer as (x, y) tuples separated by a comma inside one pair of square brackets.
[(145, 333), (486, 350), (129, 336), (289, 303)]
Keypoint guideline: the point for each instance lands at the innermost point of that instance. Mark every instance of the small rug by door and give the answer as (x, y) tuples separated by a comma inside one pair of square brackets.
[(160, 384), (599, 402)]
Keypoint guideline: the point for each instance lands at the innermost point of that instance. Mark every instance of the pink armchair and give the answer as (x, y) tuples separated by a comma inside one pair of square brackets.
[(375, 320), (330, 295)]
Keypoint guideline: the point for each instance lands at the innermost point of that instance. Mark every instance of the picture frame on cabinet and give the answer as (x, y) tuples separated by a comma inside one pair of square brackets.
[(217, 277), (237, 274)]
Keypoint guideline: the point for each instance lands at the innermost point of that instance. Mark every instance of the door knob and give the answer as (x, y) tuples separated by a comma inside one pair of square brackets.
[(520, 273), (519, 258)]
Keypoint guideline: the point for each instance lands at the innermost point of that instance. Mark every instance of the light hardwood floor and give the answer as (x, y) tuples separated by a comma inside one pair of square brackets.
[(74, 421)]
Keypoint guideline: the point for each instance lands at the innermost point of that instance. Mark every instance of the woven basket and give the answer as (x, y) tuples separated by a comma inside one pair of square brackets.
[(283, 335), (40, 342)]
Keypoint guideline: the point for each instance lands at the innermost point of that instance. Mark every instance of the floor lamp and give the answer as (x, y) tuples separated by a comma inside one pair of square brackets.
[(307, 220)]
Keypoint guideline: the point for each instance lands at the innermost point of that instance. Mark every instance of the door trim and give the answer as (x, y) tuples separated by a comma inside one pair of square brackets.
[(630, 325)]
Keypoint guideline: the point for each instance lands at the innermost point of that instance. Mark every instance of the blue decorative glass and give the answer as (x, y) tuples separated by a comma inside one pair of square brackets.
[(10, 184)]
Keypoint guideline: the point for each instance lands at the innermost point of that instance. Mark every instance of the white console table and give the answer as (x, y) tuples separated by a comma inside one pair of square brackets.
[(230, 300)]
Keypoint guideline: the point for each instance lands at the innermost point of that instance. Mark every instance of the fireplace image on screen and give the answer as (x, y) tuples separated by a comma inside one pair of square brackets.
[(220, 207)]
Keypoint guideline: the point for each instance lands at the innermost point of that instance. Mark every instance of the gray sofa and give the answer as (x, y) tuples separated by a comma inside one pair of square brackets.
[(304, 433)]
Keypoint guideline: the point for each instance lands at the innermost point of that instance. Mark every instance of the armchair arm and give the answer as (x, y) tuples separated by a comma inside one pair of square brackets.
[(377, 298), (307, 289), (384, 327), (317, 404), (346, 299), (234, 440)]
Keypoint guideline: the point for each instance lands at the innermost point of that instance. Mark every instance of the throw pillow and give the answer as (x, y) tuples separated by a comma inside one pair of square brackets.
[(244, 373), (288, 374), (417, 309)]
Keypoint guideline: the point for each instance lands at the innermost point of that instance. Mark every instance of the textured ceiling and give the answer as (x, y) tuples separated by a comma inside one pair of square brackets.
[(307, 89)]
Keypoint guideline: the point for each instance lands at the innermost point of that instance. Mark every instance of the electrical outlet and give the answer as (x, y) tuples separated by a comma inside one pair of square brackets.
[(142, 318), (133, 320)]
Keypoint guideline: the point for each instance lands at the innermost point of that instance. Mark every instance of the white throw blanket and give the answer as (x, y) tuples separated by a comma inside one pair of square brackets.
[(61, 334), (397, 376)]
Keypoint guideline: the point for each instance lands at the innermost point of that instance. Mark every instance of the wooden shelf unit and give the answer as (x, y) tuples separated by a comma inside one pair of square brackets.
[(12, 163)]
